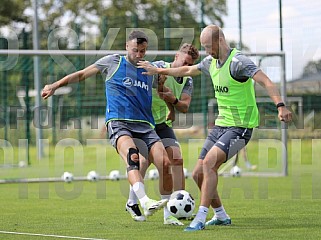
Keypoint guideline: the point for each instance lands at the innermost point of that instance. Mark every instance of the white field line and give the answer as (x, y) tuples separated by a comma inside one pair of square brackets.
[(48, 235)]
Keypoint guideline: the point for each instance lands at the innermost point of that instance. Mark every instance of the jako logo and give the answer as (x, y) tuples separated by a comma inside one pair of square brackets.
[(220, 89), (128, 82)]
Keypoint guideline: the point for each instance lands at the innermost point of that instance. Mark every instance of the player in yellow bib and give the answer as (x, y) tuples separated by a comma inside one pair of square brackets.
[(174, 94), (232, 74)]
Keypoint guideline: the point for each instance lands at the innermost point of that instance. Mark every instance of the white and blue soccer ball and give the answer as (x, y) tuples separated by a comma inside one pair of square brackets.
[(67, 177), (153, 174), (114, 175), (92, 176), (236, 171), (181, 204)]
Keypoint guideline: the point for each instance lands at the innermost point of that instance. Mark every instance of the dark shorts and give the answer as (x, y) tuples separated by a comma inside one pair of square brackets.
[(143, 134), (229, 139), (167, 135)]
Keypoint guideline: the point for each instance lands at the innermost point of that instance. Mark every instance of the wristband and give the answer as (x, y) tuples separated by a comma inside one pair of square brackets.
[(280, 104), (175, 102)]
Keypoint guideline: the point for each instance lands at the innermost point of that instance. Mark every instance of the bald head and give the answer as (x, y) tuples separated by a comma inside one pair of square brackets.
[(213, 32), (213, 40)]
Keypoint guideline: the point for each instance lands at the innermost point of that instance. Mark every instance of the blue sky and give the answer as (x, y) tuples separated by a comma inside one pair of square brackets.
[(260, 31)]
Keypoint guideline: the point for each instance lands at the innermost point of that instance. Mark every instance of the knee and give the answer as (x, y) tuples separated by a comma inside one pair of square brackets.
[(166, 162), (197, 175), (133, 159), (177, 162), (209, 165)]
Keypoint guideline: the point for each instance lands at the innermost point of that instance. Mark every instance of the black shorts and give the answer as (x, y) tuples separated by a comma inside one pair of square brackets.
[(229, 139), (143, 134), (167, 135)]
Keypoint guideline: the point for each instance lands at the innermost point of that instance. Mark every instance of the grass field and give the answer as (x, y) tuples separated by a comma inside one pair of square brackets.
[(260, 207)]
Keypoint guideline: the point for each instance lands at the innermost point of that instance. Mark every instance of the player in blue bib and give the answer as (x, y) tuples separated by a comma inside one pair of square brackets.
[(129, 118)]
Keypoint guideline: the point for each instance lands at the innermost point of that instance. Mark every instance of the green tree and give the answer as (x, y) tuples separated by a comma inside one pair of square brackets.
[(12, 11), (95, 18), (158, 14)]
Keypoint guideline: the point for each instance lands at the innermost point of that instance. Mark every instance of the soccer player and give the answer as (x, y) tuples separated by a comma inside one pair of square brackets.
[(129, 117), (175, 93), (231, 73)]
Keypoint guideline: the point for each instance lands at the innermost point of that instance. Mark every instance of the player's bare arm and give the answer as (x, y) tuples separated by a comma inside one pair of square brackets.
[(182, 104), (260, 77), (176, 72), (75, 77)]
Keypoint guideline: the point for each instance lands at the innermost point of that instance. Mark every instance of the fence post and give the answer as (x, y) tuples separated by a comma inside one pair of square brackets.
[(79, 90), (3, 87), (26, 83)]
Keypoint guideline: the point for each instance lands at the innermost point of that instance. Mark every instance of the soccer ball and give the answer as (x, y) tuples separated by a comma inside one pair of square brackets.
[(67, 177), (236, 171), (153, 174), (92, 176), (181, 204), (114, 175)]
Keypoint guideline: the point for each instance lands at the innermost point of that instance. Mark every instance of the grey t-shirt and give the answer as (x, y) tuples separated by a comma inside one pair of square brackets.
[(107, 65), (241, 67)]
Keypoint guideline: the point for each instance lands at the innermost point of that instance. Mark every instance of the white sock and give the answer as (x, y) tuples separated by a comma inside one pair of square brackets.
[(220, 213), (200, 216), (132, 198), (139, 190), (166, 212)]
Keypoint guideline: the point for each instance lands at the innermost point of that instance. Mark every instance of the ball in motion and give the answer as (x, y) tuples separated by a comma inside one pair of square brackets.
[(181, 204), (92, 176), (67, 177)]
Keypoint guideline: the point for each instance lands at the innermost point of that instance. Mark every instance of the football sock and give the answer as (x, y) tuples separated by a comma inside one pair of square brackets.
[(200, 216), (132, 198), (220, 213), (166, 212), (139, 190)]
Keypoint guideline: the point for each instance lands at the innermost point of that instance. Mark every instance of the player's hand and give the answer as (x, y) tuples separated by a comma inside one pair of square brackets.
[(167, 95), (160, 82), (161, 79), (284, 114), (150, 69), (171, 116), (47, 91)]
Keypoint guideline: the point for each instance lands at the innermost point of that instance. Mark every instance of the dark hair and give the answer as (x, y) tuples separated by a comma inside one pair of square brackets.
[(139, 35), (190, 50)]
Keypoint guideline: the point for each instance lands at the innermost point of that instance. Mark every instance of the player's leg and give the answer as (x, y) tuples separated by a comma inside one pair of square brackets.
[(172, 148), (176, 160), (176, 171), (125, 145), (132, 206), (209, 195), (234, 140), (160, 159), (210, 141)]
